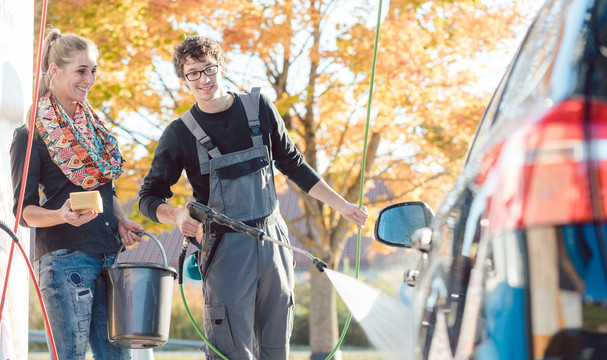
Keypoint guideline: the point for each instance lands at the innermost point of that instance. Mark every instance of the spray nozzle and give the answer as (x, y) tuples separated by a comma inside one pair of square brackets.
[(320, 265)]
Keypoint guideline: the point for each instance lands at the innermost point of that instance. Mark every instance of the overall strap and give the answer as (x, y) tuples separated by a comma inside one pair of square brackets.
[(251, 106), (204, 144), (201, 136)]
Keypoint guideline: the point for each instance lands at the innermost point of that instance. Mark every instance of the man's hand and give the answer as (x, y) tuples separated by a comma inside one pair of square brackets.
[(323, 192), (355, 214), (185, 223)]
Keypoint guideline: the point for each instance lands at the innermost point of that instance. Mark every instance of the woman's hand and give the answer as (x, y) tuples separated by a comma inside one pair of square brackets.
[(126, 227), (127, 230), (75, 218)]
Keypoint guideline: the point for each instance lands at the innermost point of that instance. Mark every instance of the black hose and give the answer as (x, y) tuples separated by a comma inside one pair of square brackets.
[(181, 260), (8, 230)]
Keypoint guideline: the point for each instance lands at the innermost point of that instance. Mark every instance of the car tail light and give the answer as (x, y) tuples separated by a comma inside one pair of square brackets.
[(549, 169)]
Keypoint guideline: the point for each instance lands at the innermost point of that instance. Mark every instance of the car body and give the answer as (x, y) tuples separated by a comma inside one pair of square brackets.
[(514, 261)]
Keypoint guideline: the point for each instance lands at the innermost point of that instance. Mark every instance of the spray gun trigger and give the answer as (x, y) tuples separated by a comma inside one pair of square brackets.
[(193, 241)]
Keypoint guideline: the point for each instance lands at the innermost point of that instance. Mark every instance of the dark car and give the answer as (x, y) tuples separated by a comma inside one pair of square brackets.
[(514, 261)]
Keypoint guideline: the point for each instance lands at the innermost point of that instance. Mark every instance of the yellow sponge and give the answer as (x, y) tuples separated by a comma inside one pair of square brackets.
[(86, 200)]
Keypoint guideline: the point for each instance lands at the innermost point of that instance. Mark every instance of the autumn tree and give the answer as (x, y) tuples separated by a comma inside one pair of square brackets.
[(315, 58)]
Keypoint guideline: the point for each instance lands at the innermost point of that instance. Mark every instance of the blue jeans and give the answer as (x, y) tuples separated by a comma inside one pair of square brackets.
[(74, 297)]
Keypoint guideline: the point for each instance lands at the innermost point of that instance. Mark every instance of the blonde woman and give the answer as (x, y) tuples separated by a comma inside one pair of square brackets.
[(72, 151)]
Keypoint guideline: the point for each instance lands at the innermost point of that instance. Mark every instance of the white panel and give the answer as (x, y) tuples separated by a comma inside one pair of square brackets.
[(16, 58)]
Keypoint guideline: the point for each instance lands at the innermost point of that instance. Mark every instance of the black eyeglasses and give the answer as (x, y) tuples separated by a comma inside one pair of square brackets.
[(195, 75)]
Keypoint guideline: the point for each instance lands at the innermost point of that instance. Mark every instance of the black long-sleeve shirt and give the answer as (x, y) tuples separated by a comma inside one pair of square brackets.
[(230, 132), (98, 236)]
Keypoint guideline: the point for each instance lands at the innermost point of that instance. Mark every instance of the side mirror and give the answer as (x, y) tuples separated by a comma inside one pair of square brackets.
[(396, 224)]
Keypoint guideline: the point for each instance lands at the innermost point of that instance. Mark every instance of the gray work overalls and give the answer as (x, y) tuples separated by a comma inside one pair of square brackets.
[(247, 283)]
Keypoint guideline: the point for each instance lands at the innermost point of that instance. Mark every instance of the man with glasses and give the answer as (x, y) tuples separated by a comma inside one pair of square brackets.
[(228, 143)]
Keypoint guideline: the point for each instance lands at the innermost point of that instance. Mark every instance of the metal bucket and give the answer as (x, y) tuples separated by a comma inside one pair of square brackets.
[(139, 297)]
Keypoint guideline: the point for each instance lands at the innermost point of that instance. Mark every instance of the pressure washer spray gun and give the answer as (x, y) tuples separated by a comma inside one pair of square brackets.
[(206, 215)]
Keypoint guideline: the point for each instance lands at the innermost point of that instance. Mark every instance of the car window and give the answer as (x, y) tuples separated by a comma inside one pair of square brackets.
[(525, 86), (529, 86), (487, 120)]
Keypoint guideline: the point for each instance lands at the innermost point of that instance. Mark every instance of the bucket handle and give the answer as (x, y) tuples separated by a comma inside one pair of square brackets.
[(164, 256)]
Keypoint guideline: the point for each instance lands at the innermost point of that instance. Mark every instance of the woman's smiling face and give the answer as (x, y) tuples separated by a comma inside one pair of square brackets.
[(71, 83)]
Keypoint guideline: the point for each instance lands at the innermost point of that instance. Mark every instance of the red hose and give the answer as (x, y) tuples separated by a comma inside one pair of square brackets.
[(22, 192)]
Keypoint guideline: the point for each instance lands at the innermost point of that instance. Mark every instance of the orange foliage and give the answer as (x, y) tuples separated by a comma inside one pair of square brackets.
[(423, 112)]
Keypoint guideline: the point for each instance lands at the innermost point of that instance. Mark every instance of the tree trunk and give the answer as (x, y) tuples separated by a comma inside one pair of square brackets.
[(323, 316)]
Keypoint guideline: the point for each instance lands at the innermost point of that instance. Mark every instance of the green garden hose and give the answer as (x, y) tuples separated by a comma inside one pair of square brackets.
[(362, 171), (184, 249)]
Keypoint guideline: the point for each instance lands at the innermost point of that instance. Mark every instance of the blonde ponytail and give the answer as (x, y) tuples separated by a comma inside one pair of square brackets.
[(57, 49)]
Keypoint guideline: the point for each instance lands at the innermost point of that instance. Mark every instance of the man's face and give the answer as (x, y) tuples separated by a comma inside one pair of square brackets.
[(203, 78)]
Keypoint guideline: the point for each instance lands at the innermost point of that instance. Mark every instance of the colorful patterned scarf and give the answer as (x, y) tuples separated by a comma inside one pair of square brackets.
[(82, 148)]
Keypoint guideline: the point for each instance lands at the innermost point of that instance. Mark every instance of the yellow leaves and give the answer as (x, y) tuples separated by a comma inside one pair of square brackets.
[(422, 99), (286, 102)]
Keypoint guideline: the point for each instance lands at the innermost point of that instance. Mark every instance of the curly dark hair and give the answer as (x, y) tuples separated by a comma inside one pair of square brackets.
[(198, 48)]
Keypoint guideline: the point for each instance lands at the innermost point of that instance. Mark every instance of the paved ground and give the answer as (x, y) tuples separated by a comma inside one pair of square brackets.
[(173, 355)]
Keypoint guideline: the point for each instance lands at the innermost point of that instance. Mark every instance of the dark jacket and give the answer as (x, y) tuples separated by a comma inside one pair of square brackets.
[(229, 130), (98, 236)]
